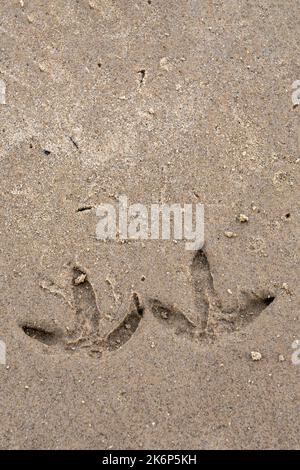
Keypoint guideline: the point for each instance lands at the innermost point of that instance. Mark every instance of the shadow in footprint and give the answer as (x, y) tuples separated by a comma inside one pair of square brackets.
[(253, 307), (49, 338), (129, 325)]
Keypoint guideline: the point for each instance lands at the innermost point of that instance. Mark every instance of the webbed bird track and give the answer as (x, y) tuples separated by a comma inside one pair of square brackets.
[(213, 318)]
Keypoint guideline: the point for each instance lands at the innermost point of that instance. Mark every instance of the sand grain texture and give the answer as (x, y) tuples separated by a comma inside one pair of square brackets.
[(147, 345)]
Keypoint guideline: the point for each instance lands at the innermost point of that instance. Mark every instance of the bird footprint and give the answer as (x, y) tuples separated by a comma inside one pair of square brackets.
[(86, 334)]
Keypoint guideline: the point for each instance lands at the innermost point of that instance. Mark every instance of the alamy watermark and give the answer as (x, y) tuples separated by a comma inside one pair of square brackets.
[(296, 102), (124, 221), (2, 92), (296, 353), (2, 353), (296, 93)]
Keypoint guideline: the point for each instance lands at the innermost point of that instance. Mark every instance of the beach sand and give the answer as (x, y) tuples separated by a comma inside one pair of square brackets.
[(131, 344)]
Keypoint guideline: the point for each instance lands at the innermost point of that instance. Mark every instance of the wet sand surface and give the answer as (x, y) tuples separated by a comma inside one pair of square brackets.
[(132, 344)]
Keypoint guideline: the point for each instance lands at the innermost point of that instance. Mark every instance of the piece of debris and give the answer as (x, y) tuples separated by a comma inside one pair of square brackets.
[(243, 218), (164, 64), (281, 358), (74, 142), (80, 279), (229, 234), (285, 287), (255, 355)]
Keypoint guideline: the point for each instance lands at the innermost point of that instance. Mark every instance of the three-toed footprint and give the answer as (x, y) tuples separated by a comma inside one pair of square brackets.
[(86, 333)]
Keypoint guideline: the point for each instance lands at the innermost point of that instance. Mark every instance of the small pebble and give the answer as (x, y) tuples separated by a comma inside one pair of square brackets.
[(164, 63), (243, 218), (285, 286), (230, 234), (80, 279), (256, 356)]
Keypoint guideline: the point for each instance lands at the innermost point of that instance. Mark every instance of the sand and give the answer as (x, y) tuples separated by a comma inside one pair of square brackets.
[(131, 344)]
